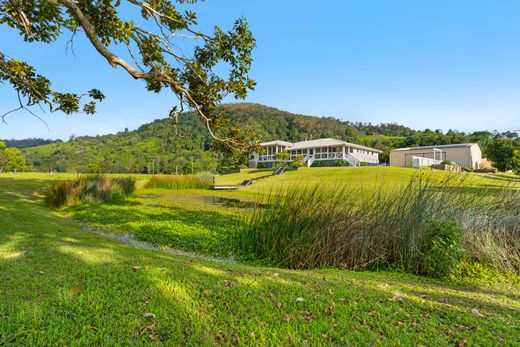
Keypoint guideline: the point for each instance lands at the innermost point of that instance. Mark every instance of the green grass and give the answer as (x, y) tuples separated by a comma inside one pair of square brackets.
[(186, 220), (330, 177), (61, 285)]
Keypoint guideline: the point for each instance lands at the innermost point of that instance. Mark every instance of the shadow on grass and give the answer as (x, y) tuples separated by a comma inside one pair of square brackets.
[(184, 228), (72, 287)]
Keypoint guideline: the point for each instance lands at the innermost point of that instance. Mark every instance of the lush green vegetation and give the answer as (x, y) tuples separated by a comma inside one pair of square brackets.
[(163, 147), (26, 143), (199, 181), (11, 159), (64, 285), (92, 189), (314, 226)]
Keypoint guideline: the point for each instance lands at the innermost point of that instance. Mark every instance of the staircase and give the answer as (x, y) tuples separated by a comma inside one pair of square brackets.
[(309, 159), (351, 160)]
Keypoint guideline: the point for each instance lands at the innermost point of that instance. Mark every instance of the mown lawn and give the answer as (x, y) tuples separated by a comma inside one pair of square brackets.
[(62, 285), (368, 178)]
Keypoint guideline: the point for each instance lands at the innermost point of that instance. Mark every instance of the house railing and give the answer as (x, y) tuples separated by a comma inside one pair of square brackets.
[(310, 158), (421, 162), (351, 160)]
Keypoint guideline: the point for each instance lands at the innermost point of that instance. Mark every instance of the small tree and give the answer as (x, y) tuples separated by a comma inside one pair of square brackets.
[(516, 161), (282, 156), (281, 159), (298, 161), (501, 152)]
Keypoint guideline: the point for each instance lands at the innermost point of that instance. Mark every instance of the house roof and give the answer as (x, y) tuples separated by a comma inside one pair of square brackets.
[(277, 143), (327, 142), (439, 146)]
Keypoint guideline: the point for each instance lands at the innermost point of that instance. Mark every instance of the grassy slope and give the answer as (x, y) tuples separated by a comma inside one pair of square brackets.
[(63, 285), (369, 177)]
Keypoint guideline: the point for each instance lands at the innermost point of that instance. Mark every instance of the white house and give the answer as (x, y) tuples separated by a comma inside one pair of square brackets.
[(326, 150), (465, 154)]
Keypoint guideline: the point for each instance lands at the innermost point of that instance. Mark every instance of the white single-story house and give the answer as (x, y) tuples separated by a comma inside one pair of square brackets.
[(326, 150), (464, 154)]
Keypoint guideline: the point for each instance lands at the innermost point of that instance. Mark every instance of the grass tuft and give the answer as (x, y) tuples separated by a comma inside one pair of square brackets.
[(89, 189), (199, 181)]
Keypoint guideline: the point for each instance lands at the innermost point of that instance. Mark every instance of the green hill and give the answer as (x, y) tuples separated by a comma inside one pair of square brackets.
[(161, 147)]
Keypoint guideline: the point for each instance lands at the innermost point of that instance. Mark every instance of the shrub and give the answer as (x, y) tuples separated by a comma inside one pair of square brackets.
[(89, 189), (486, 170), (298, 161), (343, 227), (317, 163), (341, 162), (261, 166), (199, 181), (61, 193), (441, 250), (446, 162)]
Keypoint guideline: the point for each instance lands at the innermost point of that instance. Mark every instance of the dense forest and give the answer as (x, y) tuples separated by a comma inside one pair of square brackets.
[(26, 143), (162, 146)]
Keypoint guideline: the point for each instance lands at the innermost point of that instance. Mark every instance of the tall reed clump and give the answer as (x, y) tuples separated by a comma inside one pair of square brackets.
[(416, 227), (89, 189), (199, 181)]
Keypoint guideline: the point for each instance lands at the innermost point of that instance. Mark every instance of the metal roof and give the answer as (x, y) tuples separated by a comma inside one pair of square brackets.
[(277, 143), (432, 147)]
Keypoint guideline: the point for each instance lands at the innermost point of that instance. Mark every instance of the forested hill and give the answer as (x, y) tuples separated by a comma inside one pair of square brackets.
[(26, 143), (161, 146)]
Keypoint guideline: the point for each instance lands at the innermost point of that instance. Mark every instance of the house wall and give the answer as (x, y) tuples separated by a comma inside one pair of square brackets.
[(364, 155), (465, 156)]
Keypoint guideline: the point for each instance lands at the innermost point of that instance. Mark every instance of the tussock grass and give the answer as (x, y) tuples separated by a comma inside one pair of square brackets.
[(309, 227), (199, 181), (89, 189)]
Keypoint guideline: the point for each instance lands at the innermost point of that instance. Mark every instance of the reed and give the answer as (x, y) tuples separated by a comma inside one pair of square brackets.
[(199, 181), (309, 227)]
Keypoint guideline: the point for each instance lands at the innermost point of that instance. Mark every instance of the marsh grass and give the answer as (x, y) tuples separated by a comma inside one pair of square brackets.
[(199, 181), (89, 189), (310, 227)]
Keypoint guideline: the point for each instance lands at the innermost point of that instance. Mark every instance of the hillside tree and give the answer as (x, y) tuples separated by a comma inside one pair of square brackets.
[(501, 151), (145, 43), (11, 159)]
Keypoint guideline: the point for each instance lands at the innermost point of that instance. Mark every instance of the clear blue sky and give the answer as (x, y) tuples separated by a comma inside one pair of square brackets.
[(425, 64)]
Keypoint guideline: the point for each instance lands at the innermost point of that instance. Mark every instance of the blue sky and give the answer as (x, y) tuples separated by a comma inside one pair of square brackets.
[(425, 64)]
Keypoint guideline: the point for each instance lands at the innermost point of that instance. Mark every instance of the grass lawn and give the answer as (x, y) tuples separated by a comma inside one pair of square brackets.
[(370, 178), (63, 285)]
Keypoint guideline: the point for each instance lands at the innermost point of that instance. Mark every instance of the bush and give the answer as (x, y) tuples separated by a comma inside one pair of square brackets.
[(486, 170), (442, 252), (314, 227), (199, 181), (317, 163), (446, 162), (89, 189), (298, 161), (341, 162), (261, 166)]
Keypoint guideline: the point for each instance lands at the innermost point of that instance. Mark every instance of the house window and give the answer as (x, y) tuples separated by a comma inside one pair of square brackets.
[(351, 150), (299, 151)]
